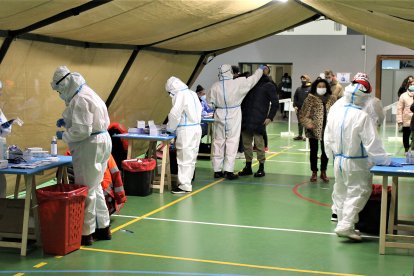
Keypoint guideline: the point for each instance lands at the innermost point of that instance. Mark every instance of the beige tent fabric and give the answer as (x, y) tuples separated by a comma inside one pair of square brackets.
[(274, 18), (142, 95), (16, 14), (357, 15), (146, 21), (27, 71)]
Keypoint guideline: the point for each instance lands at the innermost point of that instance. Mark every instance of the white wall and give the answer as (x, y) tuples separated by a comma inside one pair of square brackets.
[(309, 54)]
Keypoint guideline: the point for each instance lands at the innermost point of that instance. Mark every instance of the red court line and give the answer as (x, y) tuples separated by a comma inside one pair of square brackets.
[(296, 192)]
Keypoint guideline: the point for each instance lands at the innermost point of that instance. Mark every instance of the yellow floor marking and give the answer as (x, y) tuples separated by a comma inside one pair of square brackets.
[(58, 257), (40, 265), (18, 274), (219, 262), (176, 201), (166, 206)]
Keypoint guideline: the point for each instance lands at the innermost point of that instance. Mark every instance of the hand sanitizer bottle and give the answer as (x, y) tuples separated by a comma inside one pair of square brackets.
[(53, 146)]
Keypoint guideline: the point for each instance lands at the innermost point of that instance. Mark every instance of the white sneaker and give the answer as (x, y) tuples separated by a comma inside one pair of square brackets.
[(350, 234)]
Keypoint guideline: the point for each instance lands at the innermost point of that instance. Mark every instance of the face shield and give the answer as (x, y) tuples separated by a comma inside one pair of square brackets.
[(357, 94)]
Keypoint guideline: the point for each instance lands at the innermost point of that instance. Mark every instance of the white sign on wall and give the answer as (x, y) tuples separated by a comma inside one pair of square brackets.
[(343, 77)]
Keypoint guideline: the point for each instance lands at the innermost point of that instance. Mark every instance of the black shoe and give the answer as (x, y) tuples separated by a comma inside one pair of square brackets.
[(179, 191), (102, 234), (218, 174), (247, 170), (230, 175), (334, 217), (87, 240), (260, 172), (297, 138)]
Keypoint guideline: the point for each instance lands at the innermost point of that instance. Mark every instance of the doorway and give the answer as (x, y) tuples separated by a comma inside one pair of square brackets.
[(276, 69), (391, 70)]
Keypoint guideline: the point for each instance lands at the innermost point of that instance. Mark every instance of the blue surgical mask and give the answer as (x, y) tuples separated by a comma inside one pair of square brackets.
[(411, 88), (203, 98)]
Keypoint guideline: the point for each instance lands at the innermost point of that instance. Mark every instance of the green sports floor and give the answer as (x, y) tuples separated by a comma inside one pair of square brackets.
[(275, 225)]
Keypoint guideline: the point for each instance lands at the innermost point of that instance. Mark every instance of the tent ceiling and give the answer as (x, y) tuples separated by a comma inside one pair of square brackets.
[(203, 25), (388, 20), (19, 14)]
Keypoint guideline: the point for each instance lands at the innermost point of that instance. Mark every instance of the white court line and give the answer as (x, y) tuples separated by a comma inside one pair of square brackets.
[(243, 226)]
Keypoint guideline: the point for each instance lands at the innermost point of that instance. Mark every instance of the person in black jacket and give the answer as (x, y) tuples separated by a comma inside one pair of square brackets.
[(256, 115), (298, 98)]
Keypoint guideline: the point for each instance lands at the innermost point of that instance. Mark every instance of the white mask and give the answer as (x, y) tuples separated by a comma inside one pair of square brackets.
[(320, 91), (411, 88), (203, 98)]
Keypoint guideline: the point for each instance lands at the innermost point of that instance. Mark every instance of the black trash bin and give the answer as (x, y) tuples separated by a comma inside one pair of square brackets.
[(138, 175), (370, 216)]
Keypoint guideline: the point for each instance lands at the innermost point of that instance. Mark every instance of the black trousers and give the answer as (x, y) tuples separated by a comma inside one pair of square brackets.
[(313, 157), (406, 137)]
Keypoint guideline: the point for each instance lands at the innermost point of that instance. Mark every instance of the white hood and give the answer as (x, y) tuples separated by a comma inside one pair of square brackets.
[(67, 86), (175, 85), (225, 72)]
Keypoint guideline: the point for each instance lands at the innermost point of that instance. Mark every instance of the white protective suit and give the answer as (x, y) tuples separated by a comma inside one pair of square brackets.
[(86, 121), (4, 131), (226, 96), (184, 118), (351, 137)]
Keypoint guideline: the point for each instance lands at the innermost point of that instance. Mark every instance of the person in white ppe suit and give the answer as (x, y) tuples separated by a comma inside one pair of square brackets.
[(372, 107), (351, 138), (225, 97), (184, 119), (5, 129), (86, 121)]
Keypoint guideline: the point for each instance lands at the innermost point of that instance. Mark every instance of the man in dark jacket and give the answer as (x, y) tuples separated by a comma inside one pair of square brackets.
[(256, 115), (300, 95)]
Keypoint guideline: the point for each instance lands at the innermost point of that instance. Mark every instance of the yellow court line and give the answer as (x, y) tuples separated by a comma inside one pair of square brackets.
[(176, 201), (166, 206), (40, 265), (220, 262)]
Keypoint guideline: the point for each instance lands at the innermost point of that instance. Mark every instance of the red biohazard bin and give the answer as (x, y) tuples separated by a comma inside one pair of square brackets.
[(138, 175), (61, 211)]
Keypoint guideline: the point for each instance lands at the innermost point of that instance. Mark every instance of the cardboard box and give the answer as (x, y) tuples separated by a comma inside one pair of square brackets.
[(11, 216)]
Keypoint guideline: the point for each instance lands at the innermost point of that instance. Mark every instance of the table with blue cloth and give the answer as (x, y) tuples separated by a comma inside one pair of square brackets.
[(164, 178), (30, 201), (390, 238)]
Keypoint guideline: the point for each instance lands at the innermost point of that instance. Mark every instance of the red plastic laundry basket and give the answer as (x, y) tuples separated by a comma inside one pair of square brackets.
[(61, 212)]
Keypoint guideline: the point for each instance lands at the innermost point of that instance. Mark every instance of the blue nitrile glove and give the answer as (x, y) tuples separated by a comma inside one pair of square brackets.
[(5, 125), (262, 66), (60, 122), (59, 134), (394, 164)]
